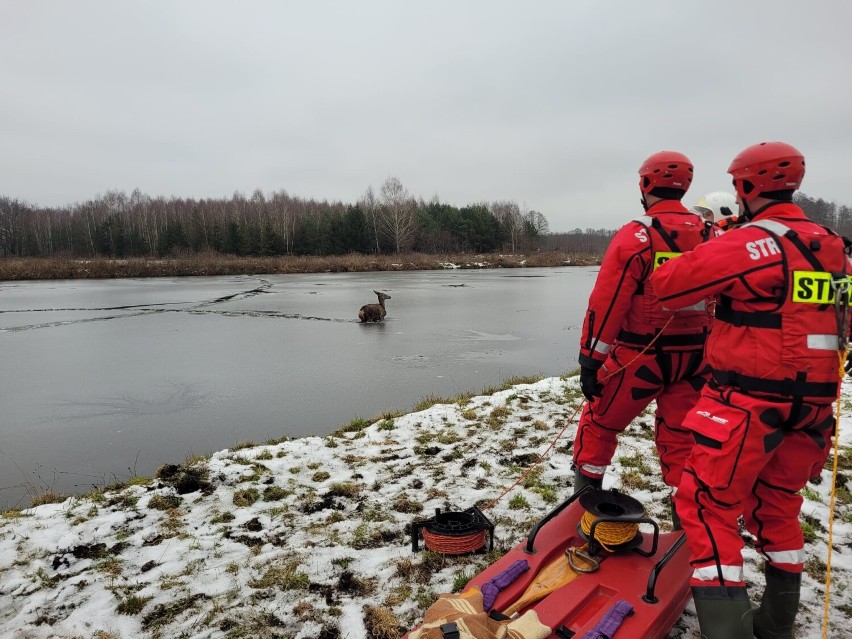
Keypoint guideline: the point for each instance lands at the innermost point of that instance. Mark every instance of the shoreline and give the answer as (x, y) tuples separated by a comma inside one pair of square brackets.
[(18, 269), (310, 537), (40, 495)]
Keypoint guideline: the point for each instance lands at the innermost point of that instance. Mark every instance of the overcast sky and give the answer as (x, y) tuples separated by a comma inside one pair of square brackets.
[(551, 104)]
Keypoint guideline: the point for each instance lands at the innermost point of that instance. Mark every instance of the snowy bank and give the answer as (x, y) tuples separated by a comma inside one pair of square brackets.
[(309, 537)]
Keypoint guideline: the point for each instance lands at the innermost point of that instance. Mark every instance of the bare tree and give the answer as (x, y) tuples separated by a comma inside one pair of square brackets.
[(43, 231), (371, 210), (537, 222), (280, 209), (398, 215), (535, 227), (12, 214), (139, 204), (510, 217)]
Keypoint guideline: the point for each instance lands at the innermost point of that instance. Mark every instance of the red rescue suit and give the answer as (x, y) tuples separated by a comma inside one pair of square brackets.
[(625, 316), (763, 424)]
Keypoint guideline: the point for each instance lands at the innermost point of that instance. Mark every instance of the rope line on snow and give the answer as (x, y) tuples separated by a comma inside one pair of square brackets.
[(568, 422)]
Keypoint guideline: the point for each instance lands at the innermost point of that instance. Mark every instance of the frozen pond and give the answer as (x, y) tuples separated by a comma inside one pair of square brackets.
[(105, 378)]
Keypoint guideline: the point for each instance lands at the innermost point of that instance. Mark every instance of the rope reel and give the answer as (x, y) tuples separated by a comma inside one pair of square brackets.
[(613, 516), (454, 532)]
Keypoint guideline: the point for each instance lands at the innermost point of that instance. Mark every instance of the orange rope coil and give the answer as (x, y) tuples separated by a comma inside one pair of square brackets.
[(609, 533), (453, 544)]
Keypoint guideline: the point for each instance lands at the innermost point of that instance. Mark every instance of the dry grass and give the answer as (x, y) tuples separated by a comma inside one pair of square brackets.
[(381, 623), (246, 497), (14, 268), (285, 577), (164, 502), (47, 497)]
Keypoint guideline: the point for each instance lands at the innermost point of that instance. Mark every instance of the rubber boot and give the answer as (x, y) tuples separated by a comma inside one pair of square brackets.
[(675, 519), (774, 619), (723, 613), (581, 481)]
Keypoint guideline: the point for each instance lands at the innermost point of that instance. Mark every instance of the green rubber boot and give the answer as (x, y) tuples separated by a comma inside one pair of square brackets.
[(777, 613), (581, 481), (723, 613)]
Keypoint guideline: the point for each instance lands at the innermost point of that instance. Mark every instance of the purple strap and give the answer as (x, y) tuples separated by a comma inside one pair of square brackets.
[(492, 587), (611, 621)]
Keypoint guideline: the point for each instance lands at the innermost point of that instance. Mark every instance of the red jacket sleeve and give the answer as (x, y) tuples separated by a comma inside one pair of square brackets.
[(722, 264), (625, 265)]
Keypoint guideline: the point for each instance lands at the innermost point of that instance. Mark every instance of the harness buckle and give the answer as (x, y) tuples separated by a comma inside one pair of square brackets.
[(840, 285)]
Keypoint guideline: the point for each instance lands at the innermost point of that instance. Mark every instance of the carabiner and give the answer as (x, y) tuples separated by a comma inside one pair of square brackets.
[(572, 552)]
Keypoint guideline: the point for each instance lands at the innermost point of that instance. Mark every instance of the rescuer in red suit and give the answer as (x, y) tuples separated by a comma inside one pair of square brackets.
[(764, 422), (619, 373)]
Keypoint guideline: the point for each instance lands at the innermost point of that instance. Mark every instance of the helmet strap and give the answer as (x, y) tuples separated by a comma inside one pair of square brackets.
[(767, 205), (749, 214)]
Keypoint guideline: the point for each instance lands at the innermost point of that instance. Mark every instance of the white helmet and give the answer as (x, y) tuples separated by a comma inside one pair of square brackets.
[(717, 202)]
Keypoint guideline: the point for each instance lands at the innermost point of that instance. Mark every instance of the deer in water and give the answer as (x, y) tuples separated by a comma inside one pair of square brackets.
[(374, 312)]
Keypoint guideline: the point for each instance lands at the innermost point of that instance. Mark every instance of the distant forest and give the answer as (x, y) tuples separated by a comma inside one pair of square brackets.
[(119, 225), (392, 221)]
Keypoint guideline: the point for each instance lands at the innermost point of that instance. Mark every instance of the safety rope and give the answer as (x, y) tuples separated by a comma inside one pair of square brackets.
[(537, 462), (642, 352), (569, 421), (606, 533), (840, 283), (836, 446), (609, 533), (453, 544)]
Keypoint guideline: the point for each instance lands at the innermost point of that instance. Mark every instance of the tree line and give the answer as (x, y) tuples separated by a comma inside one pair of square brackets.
[(392, 221), (594, 242), (830, 214)]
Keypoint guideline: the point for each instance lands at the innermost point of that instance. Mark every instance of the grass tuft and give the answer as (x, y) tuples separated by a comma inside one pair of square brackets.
[(246, 497), (344, 489), (380, 623), (48, 497), (164, 502), (275, 493), (355, 426), (285, 577), (132, 605)]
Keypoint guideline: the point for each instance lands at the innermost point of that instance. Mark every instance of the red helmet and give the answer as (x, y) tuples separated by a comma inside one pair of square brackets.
[(667, 169), (765, 167)]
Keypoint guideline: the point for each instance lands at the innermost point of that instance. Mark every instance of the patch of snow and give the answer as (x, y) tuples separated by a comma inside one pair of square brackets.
[(297, 538)]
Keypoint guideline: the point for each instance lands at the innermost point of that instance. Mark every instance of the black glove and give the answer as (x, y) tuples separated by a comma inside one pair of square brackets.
[(848, 364), (589, 384)]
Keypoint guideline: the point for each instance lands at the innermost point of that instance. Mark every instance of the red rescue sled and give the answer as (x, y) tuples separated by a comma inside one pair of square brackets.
[(651, 572)]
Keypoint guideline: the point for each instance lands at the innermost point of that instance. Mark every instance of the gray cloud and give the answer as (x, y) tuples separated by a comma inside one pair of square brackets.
[(553, 105)]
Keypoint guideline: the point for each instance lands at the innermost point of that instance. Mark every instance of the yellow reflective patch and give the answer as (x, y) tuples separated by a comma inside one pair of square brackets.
[(660, 257), (814, 287)]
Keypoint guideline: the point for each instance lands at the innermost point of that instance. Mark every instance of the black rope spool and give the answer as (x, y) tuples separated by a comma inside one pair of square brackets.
[(612, 506), (454, 532)]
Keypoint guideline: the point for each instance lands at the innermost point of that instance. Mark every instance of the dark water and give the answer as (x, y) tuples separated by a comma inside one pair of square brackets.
[(103, 379)]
